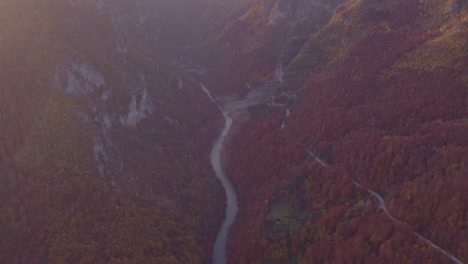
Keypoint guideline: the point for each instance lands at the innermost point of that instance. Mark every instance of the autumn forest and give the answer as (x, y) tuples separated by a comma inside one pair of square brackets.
[(348, 141)]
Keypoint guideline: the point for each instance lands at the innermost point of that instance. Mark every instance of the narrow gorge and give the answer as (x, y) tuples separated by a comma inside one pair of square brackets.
[(233, 131)]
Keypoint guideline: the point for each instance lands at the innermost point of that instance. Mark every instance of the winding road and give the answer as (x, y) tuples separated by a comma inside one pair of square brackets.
[(219, 249), (384, 208)]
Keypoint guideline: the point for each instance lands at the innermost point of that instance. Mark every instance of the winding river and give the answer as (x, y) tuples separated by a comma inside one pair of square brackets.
[(219, 249)]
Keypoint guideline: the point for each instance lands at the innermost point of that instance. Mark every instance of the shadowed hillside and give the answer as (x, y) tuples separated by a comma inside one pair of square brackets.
[(102, 157)]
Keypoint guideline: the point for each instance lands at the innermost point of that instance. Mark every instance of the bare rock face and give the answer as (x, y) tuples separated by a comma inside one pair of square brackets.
[(100, 134), (78, 78)]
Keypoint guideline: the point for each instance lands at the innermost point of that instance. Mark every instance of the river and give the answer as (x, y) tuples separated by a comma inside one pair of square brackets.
[(219, 249), (233, 108)]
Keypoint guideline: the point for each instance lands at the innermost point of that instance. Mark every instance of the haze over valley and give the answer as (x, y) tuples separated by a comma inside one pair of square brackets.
[(233, 131)]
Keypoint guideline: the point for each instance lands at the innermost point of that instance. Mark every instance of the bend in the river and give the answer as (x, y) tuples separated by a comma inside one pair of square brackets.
[(219, 250)]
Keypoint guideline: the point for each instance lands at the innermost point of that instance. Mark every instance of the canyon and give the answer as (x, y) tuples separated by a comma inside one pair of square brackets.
[(253, 131)]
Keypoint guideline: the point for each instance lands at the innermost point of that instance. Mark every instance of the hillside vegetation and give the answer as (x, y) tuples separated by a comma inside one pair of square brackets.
[(360, 156), (383, 102), (100, 153)]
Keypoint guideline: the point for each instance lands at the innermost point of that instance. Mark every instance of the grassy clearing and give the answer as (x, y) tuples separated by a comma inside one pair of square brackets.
[(283, 215)]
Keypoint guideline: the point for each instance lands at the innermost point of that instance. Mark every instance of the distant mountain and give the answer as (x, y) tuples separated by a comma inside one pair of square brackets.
[(268, 33)]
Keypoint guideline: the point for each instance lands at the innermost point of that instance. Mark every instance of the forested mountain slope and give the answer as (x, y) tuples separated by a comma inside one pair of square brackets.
[(266, 36), (101, 151), (359, 152), (377, 98)]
